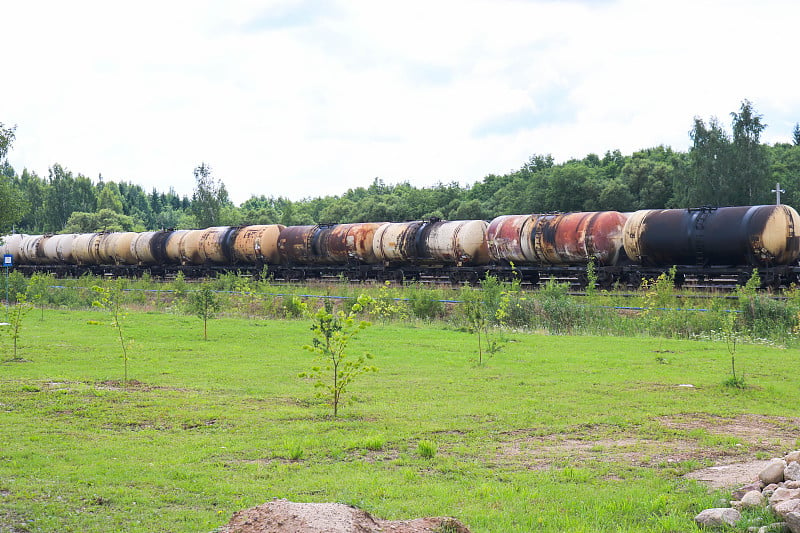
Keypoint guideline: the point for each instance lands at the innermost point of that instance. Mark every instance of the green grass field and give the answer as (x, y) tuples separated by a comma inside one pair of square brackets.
[(555, 433)]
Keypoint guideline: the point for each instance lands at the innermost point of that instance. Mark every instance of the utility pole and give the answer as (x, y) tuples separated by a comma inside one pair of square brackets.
[(777, 190)]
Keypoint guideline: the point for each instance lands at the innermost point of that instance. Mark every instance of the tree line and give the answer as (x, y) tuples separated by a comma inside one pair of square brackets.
[(720, 168)]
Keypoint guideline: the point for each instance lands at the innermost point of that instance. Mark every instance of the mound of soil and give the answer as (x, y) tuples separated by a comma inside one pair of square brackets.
[(282, 516)]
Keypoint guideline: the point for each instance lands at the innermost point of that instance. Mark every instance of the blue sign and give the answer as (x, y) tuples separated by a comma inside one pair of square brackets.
[(8, 260)]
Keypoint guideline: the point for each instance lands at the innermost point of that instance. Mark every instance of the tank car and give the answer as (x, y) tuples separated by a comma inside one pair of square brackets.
[(456, 242), (116, 249), (85, 249), (216, 244), (329, 245), (58, 249), (557, 239), (258, 244), (150, 247), (11, 244), (761, 235)]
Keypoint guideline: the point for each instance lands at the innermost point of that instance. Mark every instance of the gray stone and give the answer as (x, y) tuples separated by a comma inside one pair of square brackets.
[(718, 517), (775, 527), (793, 522), (792, 456), (792, 484), (784, 508), (782, 494), (773, 473), (752, 499), (741, 491), (792, 471)]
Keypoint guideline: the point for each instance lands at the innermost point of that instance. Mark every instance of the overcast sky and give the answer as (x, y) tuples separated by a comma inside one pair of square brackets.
[(308, 98)]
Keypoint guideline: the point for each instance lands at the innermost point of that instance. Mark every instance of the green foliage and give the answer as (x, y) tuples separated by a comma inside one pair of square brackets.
[(294, 306), (205, 304), (210, 198), (426, 449), (15, 317), (481, 310), (556, 309), (763, 317), (335, 370), (423, 303), (38, 288), (110, 298), (17, 285), (387, 305)]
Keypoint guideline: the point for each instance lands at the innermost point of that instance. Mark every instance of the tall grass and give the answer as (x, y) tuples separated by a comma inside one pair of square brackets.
[(656, 309)]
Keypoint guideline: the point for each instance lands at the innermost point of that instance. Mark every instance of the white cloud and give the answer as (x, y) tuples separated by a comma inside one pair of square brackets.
[(309, 98)]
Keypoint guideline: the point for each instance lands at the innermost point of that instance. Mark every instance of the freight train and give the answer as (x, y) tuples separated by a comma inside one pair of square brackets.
[(703, 244)]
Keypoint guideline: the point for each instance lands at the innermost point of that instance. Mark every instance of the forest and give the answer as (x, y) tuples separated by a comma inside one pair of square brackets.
[(720, 168)]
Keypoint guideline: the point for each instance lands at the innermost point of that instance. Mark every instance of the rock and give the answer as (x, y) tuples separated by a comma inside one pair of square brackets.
[(775, 527), (718, 517), (782, 494), (784, 508), (792, 456), (773, 473), (793, 522), (752, 499), (741, 491), (792, 471), (792, 484)]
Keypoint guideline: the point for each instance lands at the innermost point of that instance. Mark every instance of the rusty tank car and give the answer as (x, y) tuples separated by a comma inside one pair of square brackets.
[(216, 244), (556, 239), (258, 244), (761, 235)]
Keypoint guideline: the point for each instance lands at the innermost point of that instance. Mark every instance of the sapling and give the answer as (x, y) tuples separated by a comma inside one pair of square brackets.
[(336, 369), (15, 318), (205, 304), (110, 298)]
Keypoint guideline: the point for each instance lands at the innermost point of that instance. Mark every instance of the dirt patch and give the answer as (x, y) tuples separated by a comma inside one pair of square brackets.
[(728, 476), (740, 438), (772, 431), (282, 516)]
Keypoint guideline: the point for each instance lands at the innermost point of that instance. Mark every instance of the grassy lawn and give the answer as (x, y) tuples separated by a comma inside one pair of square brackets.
[(555, 433)]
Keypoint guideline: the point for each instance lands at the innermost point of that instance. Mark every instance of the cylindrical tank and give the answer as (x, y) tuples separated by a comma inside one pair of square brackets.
[(216, 244), (85, 248), (58, 248), (344, 243), (257, 244), (575, 238), (115, 248), (396, 242), (149, 247), (504, 237), (189, 247), (557, 239), (29, 249), (459, 242), (300, 244), (173, 247), (760, 235), (11, 246)]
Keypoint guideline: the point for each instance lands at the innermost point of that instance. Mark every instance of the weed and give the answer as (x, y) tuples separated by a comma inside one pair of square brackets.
[(426, 449)]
